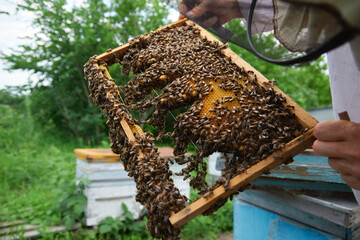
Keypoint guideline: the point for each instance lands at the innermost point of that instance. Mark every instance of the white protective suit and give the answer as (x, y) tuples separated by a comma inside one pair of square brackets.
[(343, 62)]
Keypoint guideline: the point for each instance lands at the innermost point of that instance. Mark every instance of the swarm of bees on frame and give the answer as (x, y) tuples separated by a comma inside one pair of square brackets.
[(227, 111)]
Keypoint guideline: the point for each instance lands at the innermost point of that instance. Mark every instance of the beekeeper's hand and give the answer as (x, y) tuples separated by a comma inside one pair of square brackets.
[(340, 142), (222, 10)]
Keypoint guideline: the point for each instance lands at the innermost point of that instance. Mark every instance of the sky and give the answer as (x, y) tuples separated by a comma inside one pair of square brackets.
[(13, 28)]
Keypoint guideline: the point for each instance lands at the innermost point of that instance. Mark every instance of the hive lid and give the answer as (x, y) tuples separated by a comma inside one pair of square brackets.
[(93, 155), (96, 155)]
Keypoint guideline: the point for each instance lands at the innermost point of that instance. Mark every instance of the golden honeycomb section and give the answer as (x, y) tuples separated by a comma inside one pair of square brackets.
[(137, 129), (214, 95)]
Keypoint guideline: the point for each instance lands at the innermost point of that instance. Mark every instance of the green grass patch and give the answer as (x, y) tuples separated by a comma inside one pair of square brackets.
[(37, 185), (34, 165)]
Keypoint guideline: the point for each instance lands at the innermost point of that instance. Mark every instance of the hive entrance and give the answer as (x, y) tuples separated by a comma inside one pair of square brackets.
[(231, 108)]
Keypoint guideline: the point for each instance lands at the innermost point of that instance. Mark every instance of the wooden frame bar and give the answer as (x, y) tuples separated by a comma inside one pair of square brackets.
[(242, 180), (123, 48)]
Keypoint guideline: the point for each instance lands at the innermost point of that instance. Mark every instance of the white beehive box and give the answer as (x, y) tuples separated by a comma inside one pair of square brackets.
[(216, 163), (110, 185)]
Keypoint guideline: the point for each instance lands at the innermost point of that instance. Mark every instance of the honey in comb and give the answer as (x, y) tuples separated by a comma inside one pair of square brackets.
[(228, 111)]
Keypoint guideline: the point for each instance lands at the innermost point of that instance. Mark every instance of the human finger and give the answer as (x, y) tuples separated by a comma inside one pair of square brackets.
[(182, 8), (352, 181), (332, 130), (327, 149), (197, 11), (340, 165), (349, 172), (209, 22), (345, 149)]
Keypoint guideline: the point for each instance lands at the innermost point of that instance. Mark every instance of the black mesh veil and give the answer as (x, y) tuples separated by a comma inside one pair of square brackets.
[(277, 31)]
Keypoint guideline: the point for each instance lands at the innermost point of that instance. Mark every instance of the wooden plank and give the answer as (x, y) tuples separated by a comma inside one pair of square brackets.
[(344, 116), (105, 56), (300, 187), (106, 155), (9, 224), (201, 205), (125, 126), (311, 168), (305, 173), (91, 154), (18, 228), (127, 130), (35, 234)]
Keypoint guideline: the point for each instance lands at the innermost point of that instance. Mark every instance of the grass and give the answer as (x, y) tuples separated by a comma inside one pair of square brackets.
[(209, 227), (37, 169), (33, 167)]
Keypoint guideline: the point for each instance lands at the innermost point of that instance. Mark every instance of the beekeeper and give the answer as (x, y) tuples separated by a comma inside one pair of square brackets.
[(308, 28)]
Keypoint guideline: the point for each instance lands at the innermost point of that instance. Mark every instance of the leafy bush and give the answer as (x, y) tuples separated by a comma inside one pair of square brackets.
[(219, 222), (34, 164), (70, 206), (123, 228), (10, 98)]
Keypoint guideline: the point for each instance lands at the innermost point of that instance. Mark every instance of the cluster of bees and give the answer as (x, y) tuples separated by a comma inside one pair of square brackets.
[(227, 111), (155, 187)]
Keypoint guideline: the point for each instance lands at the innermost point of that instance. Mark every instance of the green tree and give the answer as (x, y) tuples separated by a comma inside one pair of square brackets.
[(11, 98), (66, 38)]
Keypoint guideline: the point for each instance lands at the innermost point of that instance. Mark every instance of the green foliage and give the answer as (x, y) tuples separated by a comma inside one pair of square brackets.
[(122, 228), (308, 85), (219, 222), (10, 98), (80, 234), (37, 176), (32, 156), (70, 205), (67, 38)]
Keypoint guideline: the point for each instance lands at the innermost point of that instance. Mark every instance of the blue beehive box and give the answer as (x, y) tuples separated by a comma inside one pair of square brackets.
[(264, 215), (308, 173)]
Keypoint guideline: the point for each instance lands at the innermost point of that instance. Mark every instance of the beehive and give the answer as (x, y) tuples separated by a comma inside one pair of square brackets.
[(109, 186), (106, 95)]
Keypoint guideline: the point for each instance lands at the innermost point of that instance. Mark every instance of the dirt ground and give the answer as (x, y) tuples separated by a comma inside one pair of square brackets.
[(225, 236)]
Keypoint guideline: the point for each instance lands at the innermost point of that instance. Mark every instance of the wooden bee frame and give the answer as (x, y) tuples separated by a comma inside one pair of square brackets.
[(240, 181)]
